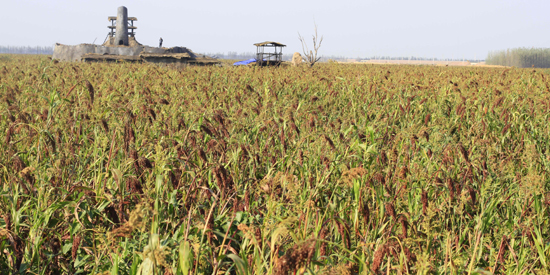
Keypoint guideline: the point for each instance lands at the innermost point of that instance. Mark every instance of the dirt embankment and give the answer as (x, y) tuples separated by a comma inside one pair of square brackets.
[(422, 62)]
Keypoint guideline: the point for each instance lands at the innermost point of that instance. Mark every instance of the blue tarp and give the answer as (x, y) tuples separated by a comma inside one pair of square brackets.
[(244, 62)]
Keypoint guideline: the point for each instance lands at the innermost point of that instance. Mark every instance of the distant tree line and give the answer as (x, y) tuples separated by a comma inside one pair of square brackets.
[(232, 55), (288, 57), (521, 57), (250, 55), (498, 57), (417, 58), (27, 49), (240, 56)]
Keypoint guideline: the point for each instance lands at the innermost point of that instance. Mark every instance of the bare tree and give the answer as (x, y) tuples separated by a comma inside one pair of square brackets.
[(310, 56)]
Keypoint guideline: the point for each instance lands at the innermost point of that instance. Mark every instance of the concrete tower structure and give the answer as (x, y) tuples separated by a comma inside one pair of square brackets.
[(121, 35), (120, 45)]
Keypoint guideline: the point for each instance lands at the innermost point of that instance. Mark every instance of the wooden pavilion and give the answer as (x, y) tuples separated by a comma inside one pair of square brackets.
[(264, 58)]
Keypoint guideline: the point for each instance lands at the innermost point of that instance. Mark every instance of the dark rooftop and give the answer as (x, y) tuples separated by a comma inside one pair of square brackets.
[(270, 44)]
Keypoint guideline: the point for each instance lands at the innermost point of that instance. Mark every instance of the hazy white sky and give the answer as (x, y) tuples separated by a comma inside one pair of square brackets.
[(428, 28)]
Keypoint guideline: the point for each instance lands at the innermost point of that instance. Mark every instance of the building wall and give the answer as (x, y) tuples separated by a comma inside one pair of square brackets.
[(75, 53)]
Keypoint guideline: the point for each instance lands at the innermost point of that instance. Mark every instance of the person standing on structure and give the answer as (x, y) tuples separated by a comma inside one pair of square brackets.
[(160, 42)]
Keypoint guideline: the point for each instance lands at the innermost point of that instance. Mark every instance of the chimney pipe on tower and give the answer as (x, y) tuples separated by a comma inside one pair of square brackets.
[(121, 36)]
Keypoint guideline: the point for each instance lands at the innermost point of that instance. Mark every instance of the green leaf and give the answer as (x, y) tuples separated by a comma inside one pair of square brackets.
[(185, 257), (134, 267), (242, 266), (539, 243), (114, 268), (147, 267), (356, 188), (66, 247)]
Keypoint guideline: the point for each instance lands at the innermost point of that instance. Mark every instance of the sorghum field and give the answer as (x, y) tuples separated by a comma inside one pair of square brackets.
[(335, 169)]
